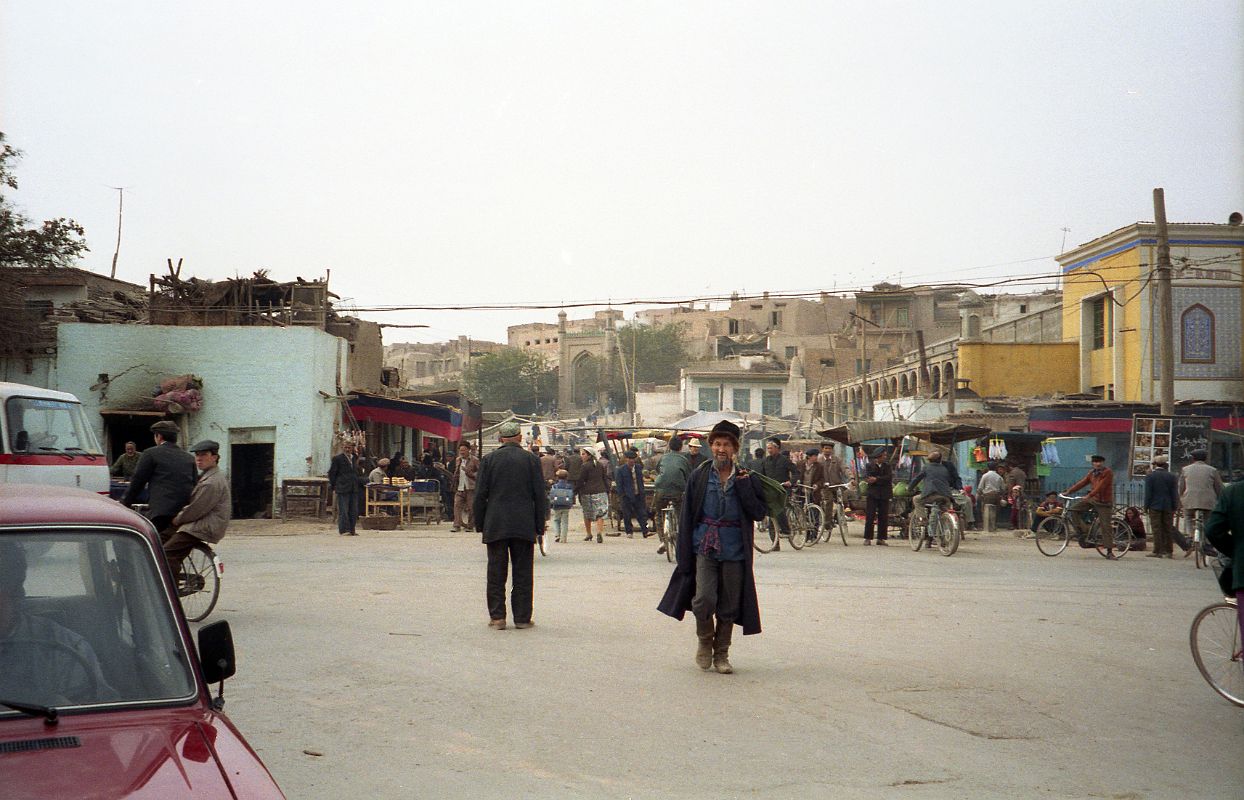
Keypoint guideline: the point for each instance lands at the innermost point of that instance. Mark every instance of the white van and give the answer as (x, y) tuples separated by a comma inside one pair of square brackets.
[(44, 438)]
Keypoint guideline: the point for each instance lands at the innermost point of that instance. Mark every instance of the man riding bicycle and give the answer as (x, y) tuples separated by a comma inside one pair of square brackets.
[(938, 484), (1100, 499), (206, 516)]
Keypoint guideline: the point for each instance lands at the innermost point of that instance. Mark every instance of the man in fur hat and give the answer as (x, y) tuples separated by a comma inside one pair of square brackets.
[(714, 578)]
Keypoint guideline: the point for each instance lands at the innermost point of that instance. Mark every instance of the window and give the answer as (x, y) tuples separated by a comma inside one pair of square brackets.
[(1196, 335), (771, 402), (827, 362), (38, 425), (791, 352), (1099, 309), (1023, 308), (732, 327), (874, 312), (900, 317), (775, 319), (863, 366), (742, 400), (709, 400)]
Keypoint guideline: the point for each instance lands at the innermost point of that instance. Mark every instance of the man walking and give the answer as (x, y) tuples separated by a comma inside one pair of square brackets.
[(167, 472), (990, 489), (1161, 500), (629, 480), (777, 466), (206, 516), (713, 576), (1199, 488), (694, 456), (346, 482), (672, 473), (466, 468), (510, 510), (879, 478)]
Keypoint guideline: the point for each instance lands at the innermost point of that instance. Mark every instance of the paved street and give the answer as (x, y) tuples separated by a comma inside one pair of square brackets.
[(881, 673)]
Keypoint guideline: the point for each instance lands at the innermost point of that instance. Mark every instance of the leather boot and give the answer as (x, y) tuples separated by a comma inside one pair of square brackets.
[(704, 651), (721, 648)]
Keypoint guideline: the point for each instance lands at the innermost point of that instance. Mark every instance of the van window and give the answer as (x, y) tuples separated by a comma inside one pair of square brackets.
[(40, 425)]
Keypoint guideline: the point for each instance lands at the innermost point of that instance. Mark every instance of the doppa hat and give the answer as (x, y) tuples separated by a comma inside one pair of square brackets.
[(725, 428), (165, 426), (509, 429)]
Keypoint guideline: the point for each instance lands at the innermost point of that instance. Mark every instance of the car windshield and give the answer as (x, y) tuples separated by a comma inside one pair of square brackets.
[(85, 620), (40, 425)]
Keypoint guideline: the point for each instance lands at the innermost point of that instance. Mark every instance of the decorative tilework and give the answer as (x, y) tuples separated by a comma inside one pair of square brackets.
[(1192, 332)]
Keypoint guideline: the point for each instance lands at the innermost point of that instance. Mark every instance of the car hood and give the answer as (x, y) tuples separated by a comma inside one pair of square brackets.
[(138, 754)]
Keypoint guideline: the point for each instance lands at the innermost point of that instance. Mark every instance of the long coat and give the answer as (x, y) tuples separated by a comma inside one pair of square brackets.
[(1225, 530), (510, 499), (677, 599), (168, 473)]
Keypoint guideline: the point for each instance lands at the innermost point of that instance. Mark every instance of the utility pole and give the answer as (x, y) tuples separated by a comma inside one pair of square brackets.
[(1166, 333), (120, 208)]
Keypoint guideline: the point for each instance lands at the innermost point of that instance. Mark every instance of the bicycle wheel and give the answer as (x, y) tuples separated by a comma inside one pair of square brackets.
[(840, 521), (948, 533), (670, 533), (1198, 542), (798, 527), (1053, 534), (1215, 641), (199, 587), (1120, 536), (917, 529), (766, 537), (816, 523)]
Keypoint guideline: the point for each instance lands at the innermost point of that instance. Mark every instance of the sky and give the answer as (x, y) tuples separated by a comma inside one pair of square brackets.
[(468, 154)]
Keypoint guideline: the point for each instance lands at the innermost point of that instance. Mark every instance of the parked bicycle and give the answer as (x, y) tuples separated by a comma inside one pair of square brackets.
[(804, 518), (667, 530), (1216, 645), (1055, 532), (939, 524)]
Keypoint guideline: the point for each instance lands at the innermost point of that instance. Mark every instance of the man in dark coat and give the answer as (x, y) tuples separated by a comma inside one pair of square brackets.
[(879, 476), (510, 510), (167, 472), (778, 466), (1161, 500), (714, 575), (628, 479), (346, 480), (1225, 530)]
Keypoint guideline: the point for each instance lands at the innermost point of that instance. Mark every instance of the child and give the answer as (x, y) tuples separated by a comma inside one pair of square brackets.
[(561, 499)]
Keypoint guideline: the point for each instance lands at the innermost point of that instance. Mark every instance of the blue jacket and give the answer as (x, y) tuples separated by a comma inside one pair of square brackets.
[(1161, 490), (627, 478)]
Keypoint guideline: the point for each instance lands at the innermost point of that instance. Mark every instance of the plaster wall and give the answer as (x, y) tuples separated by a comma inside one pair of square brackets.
[(1025, 370)]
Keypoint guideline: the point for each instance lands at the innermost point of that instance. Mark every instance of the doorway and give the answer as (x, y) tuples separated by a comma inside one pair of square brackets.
[(250, 472)]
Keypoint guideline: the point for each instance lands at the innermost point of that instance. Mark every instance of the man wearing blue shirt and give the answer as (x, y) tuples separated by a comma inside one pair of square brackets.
[(713, 576)]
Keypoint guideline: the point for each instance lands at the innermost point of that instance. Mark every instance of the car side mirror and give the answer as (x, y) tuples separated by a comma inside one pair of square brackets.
[(216, 657)]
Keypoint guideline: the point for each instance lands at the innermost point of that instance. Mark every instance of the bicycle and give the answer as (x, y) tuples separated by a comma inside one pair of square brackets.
[(668, 531), (939, 524), (835, 515), (1217, 650), (1196, 543), (198, 581), (1055, 532), (806, 517)]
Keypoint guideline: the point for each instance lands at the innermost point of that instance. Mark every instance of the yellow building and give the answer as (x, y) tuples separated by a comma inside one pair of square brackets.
[(1109, 310)]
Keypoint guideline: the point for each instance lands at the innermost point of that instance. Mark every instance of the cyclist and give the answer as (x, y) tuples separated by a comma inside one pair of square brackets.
[(1100, 498), (778, 466), (1225, 530), (938, 485), (672, 473), (167, 472), (206, 516), (1199, 488)]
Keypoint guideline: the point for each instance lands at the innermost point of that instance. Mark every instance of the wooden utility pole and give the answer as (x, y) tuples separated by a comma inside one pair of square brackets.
[(120, 208), (1166, 332)]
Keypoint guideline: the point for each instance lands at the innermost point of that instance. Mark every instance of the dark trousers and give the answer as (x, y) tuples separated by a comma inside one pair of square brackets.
[(876, 510), (718, 589), (347, 512), (177, 545), (634, 507), (501, 554), (1161, 525), (662, 500)]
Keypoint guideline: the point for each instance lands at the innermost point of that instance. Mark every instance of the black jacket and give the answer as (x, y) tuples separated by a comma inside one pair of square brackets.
[(168, 473), (344, 475), (677, 598), (510, 501), (780, 468), (1161, 490)]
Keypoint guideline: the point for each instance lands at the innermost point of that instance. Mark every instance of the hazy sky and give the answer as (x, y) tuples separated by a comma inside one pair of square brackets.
[(463, 153)]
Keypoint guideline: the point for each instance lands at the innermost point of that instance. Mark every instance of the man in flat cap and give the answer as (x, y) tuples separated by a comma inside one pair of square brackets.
[(1161, 500), (713, 577), (510, 509), (879, 478), (167, 472), (629, 480), (206, 516)]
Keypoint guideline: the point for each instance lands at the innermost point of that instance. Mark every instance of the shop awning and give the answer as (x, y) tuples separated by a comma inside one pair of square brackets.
[(434, 418), (937, 432)]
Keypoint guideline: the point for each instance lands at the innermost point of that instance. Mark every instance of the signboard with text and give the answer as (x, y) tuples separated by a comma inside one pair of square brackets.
[(1173, 437)]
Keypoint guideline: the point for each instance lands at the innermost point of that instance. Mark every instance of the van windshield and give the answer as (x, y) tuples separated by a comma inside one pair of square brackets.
[(41, 425), (85, 620)]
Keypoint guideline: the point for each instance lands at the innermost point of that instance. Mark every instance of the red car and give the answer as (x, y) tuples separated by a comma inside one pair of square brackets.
[(101, 691)]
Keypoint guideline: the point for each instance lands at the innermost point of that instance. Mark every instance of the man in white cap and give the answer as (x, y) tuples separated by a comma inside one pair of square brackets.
[(694, 456)]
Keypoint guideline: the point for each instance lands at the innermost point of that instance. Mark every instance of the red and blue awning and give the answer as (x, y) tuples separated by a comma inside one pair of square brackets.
[(434, 418)]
